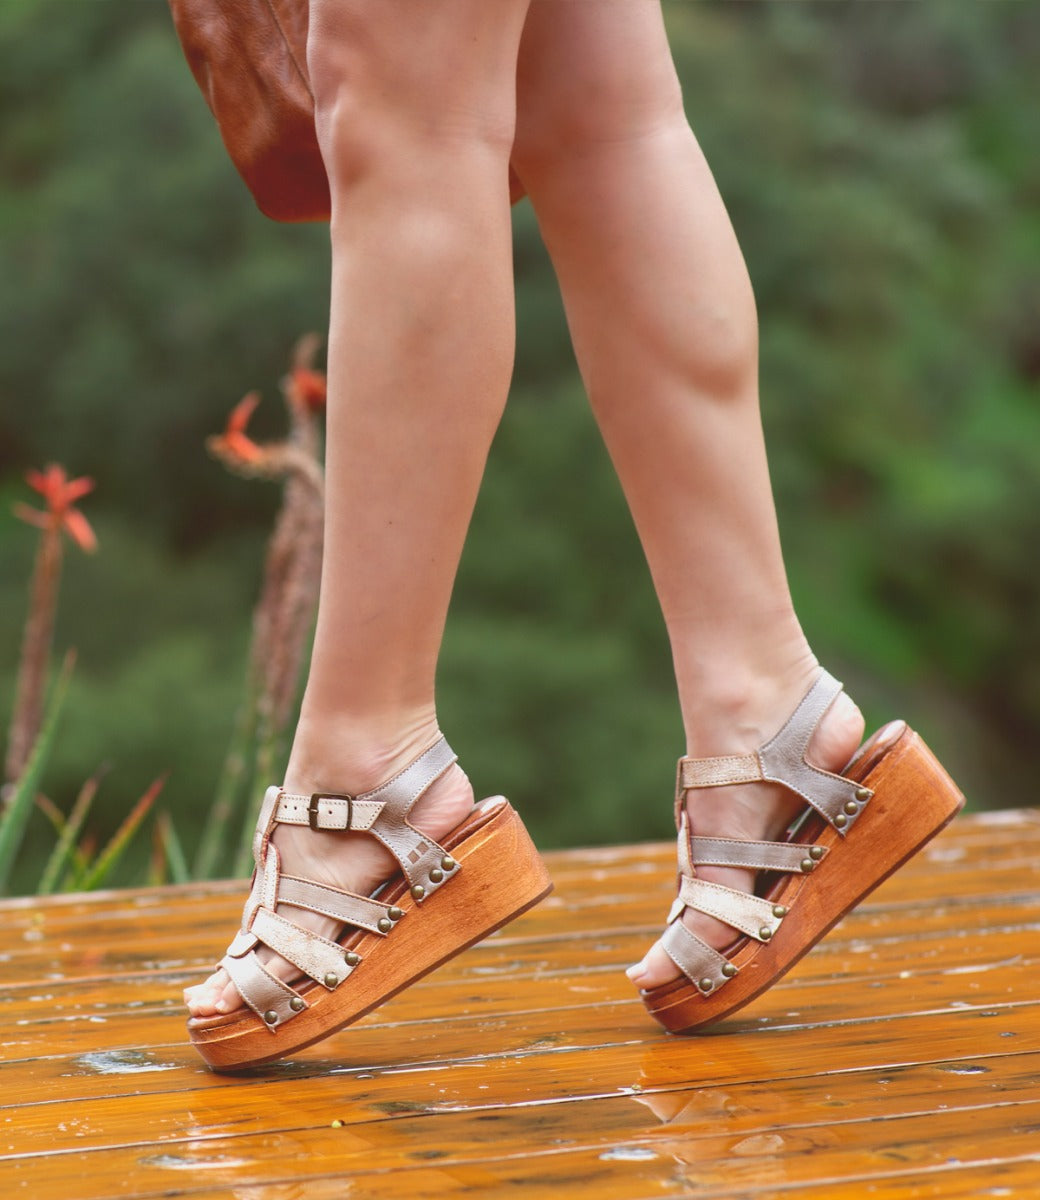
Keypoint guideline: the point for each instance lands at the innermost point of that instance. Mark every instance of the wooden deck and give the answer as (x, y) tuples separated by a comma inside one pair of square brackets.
[(900, 1059)]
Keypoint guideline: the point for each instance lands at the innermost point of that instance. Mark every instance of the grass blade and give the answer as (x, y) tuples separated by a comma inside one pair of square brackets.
[(65, 847), (23, 795), (102, 866)]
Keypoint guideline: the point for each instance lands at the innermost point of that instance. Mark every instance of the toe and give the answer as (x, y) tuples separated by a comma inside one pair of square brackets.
[(215, 995), (655, 969)]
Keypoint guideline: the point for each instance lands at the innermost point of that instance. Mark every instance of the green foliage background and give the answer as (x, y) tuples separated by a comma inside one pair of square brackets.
[(880, 164)]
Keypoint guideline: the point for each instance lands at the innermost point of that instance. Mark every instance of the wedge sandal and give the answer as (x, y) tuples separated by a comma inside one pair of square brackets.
[(857, 828), (447, 896)]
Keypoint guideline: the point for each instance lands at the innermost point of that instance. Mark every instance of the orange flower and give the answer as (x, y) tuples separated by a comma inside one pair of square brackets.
[(60, 494), (233, 445), (307, 387)]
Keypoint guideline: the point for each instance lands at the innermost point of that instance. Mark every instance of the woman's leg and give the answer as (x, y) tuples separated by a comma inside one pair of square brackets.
[(663, 322), (415, 106)]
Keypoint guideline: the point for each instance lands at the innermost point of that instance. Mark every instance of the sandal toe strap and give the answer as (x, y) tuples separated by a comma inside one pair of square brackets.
[(706, 968), (359, 911), (316, 956), (271, 1000), (749, 914)]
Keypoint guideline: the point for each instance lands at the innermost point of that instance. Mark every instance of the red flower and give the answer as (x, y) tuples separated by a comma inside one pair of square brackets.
[(60, 494)]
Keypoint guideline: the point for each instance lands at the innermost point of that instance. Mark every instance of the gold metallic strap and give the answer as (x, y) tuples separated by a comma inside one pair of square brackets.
[(703, 966), (752, 915), (718, 772)]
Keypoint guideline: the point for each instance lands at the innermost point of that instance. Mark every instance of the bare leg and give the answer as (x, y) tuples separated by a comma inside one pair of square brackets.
[(415, 106), (663, 322)]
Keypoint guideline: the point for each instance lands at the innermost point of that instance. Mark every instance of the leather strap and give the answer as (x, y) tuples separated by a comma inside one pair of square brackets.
[(750, 914), (782, 759)]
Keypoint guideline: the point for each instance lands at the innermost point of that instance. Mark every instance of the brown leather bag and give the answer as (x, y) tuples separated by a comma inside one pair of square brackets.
[(249, 57)]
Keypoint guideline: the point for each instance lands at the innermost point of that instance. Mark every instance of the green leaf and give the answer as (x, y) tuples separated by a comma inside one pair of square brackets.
[(65, 847), (20, 805), (107, 859)]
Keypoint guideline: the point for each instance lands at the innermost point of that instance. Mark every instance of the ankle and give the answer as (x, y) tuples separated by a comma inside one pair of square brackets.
[(735, 707), (346, 752)]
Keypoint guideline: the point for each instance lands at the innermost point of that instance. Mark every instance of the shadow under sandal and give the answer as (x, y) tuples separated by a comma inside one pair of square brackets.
[(859, 827), (446, 897)]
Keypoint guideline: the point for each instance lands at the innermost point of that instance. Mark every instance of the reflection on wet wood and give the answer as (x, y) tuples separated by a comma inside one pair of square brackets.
[(899, 1060)]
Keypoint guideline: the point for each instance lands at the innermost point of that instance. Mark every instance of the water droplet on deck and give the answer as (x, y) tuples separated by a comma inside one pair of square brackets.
[(121, 1062), (628, 1154)]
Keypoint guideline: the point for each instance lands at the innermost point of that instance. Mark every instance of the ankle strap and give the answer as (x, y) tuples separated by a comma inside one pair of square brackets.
[(339, 811), (782, 760), (382, 812)]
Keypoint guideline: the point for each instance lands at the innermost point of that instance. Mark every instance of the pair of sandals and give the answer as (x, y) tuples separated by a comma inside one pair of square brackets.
[(856, 829)]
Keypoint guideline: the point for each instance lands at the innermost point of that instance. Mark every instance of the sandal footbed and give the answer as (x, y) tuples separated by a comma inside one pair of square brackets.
[(914, 798), (500, 876)]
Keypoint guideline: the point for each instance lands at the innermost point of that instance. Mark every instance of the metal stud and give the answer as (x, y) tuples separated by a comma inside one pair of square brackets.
[(765, 933), (418, 891), (436, 875), (448, 863), (851, 807), (779, 910), (729, 970), (863, 793), (395, 913), (331, 979), (808, 865), (297, 1004), (352, 958), (271, 1017), (816, 853), (706, 984), (840, 821), (384, 925)]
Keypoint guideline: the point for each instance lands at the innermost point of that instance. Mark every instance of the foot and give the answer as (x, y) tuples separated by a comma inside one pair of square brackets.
[(755, 812), (354, 862)]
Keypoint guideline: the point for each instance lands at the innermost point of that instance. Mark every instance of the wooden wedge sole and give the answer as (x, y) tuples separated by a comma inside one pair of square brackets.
[(500, 876), (914, 798)]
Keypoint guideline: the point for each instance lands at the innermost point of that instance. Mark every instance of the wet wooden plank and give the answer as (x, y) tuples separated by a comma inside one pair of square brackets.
[(911, 1034)]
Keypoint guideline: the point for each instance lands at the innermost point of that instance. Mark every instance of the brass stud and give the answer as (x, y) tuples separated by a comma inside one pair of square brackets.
[(395, 913), (297, 1004), (384, 925), (271, 1017), (436, 875), (418, 891), (352, 958), (765, 933), (729, 970), (863, 793), (851, 807), (779, 910), (448, 863), (816, 853), (840, 821), (706, 984), (808, 865), (331, 979)]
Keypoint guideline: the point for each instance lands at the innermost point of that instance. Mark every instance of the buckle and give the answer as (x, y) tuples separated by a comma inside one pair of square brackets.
[(317, 797)]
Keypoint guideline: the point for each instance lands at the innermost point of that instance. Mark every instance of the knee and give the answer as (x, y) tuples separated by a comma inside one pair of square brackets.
[(379, 100)]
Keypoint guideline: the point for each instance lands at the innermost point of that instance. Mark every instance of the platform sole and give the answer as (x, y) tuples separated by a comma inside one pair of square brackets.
[(500, 876), (914, 799)]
